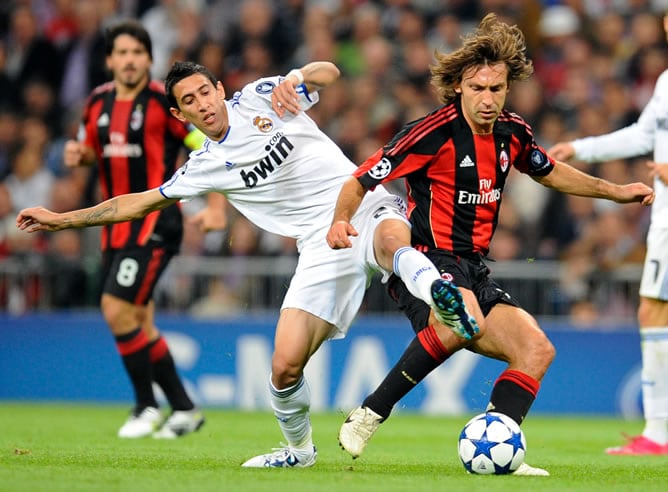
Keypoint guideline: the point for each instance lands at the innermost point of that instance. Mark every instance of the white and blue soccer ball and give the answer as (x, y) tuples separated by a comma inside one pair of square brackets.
[(492, 443)]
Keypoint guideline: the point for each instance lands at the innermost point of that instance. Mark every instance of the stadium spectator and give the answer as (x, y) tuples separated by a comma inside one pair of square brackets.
[(84, 66), (354, 32), (128, 131), (647, 134), (28, 182), (295, 189), (68, 279), (30, 56), (62, 26), (455, 161), (260, 26), (10, 128), (161, 21), (558, 23), (7, 88)]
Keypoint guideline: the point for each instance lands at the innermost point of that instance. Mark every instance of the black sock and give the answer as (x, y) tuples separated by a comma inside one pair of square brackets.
[(134, 351), (424, 354), (164, 373), (513, 394)]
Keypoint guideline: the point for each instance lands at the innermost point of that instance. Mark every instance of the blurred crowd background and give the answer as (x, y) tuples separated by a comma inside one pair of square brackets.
[(596, 62)]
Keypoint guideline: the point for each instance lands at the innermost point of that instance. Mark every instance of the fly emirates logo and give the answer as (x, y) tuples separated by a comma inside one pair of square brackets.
[(278, 150), (118, 147), (486, 194)]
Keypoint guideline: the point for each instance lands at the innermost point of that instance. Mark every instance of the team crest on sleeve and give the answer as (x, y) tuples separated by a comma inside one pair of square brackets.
[(538, 159), (265, 87), (380, 170), (264, 124), (504, 160)]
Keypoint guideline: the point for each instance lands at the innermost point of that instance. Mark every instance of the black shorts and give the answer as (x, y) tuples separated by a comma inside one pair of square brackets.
[(468, 272), (131, 274)]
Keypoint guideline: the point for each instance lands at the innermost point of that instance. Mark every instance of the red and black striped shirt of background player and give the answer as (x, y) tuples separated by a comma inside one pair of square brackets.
[(137, 144), (455, 178)]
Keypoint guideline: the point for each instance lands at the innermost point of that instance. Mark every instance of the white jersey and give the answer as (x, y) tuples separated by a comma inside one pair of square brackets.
[(649, 133), (284, 175)]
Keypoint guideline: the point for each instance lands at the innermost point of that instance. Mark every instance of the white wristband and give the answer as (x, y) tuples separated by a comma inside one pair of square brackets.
[(298, 75)]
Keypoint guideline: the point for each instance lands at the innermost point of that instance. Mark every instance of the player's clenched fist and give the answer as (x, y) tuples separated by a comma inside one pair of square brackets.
[(73, 153), (339, 233)]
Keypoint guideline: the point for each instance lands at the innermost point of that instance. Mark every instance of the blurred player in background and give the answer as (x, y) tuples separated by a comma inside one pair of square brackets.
[(128, 131), (283, 173), (649, 132), (455, 161)]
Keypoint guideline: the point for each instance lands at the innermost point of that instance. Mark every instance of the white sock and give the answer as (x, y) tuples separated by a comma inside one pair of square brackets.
[(291, 407), (654, 347), (417, 272)]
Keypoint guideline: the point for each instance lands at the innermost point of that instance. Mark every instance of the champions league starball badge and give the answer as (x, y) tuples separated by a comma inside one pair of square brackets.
[(380, 170)]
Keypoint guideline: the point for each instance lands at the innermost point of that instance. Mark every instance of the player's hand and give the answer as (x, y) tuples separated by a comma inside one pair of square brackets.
[(636, 192), (658, 170), (562, 151), (39, 219), (209, 219), (73, 153), (285, 97), (338, 236)]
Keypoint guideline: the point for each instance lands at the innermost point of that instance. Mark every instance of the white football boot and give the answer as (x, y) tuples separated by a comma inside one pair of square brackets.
[(142, 425), (525, 470), (180, 423), (282, 458), (357, 430)]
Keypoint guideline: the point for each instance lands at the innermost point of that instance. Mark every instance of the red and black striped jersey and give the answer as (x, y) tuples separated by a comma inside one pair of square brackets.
[(455, 178), (137, 143)]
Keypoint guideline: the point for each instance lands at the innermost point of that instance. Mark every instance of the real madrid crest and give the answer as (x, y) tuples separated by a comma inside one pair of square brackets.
[(264, 124)]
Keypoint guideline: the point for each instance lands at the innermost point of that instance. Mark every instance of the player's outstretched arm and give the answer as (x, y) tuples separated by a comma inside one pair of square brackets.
[(315, 75), (117, 209), (567, 179), (349, 200)]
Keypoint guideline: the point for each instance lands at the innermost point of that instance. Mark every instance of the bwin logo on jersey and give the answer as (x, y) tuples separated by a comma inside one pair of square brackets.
[(279, 148), (380, 170)]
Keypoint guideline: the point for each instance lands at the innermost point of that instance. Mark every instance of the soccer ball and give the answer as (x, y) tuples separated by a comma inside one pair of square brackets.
[(492, 443)]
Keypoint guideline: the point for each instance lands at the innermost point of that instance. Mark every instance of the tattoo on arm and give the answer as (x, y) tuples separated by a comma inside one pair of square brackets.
[(104, 213)]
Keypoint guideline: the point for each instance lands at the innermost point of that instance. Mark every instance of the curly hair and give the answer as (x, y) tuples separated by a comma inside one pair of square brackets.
[(492, 42)]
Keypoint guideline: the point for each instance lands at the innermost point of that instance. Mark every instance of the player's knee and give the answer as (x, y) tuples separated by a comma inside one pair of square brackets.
[(285, 373), (112, 311), (119, 315), (542, 352)]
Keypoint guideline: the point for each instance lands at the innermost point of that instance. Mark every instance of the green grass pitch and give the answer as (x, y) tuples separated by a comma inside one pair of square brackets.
[(68, 447)]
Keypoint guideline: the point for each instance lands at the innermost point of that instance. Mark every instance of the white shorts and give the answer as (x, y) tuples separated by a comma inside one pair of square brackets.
[(654, 282), (330, 284)]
